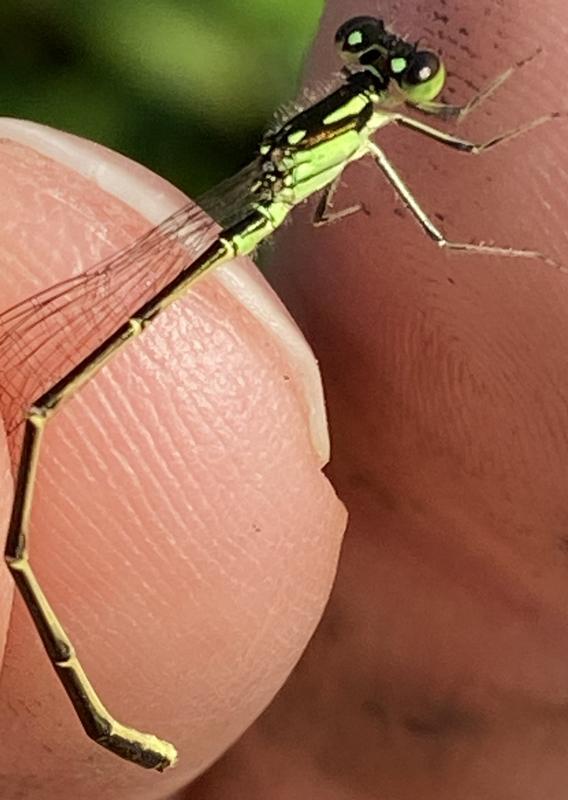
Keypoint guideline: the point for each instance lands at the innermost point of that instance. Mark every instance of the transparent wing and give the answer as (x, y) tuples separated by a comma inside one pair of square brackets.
[(44, 336)]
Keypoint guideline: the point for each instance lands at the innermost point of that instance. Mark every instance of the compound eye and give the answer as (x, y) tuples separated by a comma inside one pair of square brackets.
[(358, 36), (423, 78), (424, 66)]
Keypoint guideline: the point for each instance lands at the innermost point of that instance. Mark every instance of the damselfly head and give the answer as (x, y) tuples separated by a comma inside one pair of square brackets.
[(364, 42)]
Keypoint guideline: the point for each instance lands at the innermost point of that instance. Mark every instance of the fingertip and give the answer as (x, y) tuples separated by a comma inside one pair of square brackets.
[(181, 523)]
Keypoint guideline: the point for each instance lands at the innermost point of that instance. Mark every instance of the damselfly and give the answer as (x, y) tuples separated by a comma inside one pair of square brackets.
[(382, 74)]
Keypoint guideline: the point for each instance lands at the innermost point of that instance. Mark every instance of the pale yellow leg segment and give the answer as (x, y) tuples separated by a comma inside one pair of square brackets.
[(435, 233), (324, 215), (464, 144)]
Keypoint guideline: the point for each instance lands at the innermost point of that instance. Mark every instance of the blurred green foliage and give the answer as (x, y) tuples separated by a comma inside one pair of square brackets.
[(183, 86)]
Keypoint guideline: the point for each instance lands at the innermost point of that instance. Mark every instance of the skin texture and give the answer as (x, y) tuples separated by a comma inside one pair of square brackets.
[(440, 669), (182, 526)]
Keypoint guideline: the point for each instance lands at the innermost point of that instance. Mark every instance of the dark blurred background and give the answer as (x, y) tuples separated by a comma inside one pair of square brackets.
[(184, 86)]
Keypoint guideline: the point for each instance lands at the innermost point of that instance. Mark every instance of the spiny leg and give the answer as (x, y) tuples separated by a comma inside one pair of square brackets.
[(324, 216), (459, 112), (428, 226), (457, 143), (448, 111)]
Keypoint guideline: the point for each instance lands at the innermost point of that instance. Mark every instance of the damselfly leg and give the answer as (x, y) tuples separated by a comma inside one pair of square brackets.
[(466, 146)]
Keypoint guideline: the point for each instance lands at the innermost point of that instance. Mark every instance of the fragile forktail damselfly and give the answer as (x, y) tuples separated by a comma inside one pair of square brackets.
[(383, 74)]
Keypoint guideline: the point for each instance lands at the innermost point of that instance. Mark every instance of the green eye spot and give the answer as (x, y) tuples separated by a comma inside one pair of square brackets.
[(355, 39), (398, 65)]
